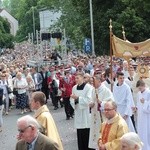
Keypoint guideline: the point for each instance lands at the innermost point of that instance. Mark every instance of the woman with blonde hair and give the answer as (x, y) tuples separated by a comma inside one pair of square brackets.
[(20, 84)]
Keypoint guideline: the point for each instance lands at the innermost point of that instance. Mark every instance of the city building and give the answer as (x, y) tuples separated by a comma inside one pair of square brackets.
[(13, 22)]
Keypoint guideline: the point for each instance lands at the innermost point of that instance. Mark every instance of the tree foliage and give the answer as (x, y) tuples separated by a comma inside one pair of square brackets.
[(134, 15), (24, 11), (6, 39)]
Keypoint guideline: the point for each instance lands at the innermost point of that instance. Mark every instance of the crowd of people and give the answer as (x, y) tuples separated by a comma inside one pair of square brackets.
[(109, 104)]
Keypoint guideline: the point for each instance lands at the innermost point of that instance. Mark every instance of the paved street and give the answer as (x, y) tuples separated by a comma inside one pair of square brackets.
[(65, 127)]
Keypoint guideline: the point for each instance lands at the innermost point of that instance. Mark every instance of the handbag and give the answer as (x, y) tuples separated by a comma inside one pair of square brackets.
[(15, 91), (9, 90)]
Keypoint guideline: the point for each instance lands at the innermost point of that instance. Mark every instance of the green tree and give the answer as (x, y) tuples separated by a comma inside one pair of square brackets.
[(6, 39), (134, 15), (24, 10)]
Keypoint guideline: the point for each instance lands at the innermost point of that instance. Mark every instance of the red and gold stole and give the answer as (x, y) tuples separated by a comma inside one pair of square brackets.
[(105, 133)]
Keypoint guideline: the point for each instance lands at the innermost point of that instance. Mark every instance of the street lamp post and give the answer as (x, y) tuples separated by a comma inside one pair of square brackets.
[(33, 15), (65, 42), (92, 28)]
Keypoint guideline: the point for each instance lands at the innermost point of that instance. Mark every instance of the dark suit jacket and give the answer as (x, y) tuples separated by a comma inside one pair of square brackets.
[(39, 80), (45, 88), (44, 80), (42, 143)]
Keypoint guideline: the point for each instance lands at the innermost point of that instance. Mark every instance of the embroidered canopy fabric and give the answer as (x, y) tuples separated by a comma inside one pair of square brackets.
[(125, 49)]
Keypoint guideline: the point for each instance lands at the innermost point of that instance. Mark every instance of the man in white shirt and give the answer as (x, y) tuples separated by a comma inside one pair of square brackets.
[(37, 79), (124, 99), (80, 100), (143, 111)]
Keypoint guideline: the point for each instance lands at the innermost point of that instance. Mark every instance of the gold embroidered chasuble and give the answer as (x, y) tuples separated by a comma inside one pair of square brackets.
[(111, 132), (44, 118)]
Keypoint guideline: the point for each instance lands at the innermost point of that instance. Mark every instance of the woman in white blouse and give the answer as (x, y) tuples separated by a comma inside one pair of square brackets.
[(20, 84)]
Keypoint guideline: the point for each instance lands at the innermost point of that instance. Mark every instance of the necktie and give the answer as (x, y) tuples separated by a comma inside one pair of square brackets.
[(29, 146)]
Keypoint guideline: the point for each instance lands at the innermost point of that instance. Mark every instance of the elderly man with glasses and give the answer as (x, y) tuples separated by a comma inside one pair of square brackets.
[(31, 138), (112, 129)]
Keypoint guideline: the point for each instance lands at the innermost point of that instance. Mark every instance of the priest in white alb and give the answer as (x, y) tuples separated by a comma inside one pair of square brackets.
[(101, 94)]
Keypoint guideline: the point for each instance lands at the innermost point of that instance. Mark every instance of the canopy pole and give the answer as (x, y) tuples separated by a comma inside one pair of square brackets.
[(111, 70)]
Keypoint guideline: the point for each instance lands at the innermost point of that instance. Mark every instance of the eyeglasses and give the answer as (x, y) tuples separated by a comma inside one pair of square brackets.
[(23, 130), (108, 110), (85, 77)]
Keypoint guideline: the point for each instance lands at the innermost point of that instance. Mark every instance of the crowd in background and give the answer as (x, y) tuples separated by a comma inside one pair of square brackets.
[(82, 85)]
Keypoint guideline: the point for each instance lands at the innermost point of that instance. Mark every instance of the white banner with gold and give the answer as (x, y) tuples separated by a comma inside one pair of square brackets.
[(124, 49)]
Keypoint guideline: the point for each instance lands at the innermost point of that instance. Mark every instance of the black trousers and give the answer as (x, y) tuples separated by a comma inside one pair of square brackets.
[(83, 139), (132, 118), (68, 108), (46, 92), (54, 99), (10, 102), (60, 102)]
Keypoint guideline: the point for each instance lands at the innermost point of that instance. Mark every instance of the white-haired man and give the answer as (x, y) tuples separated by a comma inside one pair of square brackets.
[(31, 138), (131, 141)]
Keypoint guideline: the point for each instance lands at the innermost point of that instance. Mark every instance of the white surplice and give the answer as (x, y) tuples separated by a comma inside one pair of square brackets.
[(104, 94), (82, 114), (143, 118), (124, 100), (107, 83)]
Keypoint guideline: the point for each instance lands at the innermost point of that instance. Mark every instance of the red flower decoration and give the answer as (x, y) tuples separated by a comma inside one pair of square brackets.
[(136, 47)]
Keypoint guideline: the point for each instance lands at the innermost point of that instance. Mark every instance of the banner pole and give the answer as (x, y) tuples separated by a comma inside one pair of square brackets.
[(92, 28), (111, 70), (123, 33), (125, 39)]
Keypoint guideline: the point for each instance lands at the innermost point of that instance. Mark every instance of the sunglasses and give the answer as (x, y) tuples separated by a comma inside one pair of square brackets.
[(23, 130)]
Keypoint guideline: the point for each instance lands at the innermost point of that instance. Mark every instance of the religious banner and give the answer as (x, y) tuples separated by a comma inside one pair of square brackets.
[(143, 71), (125, 49)]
